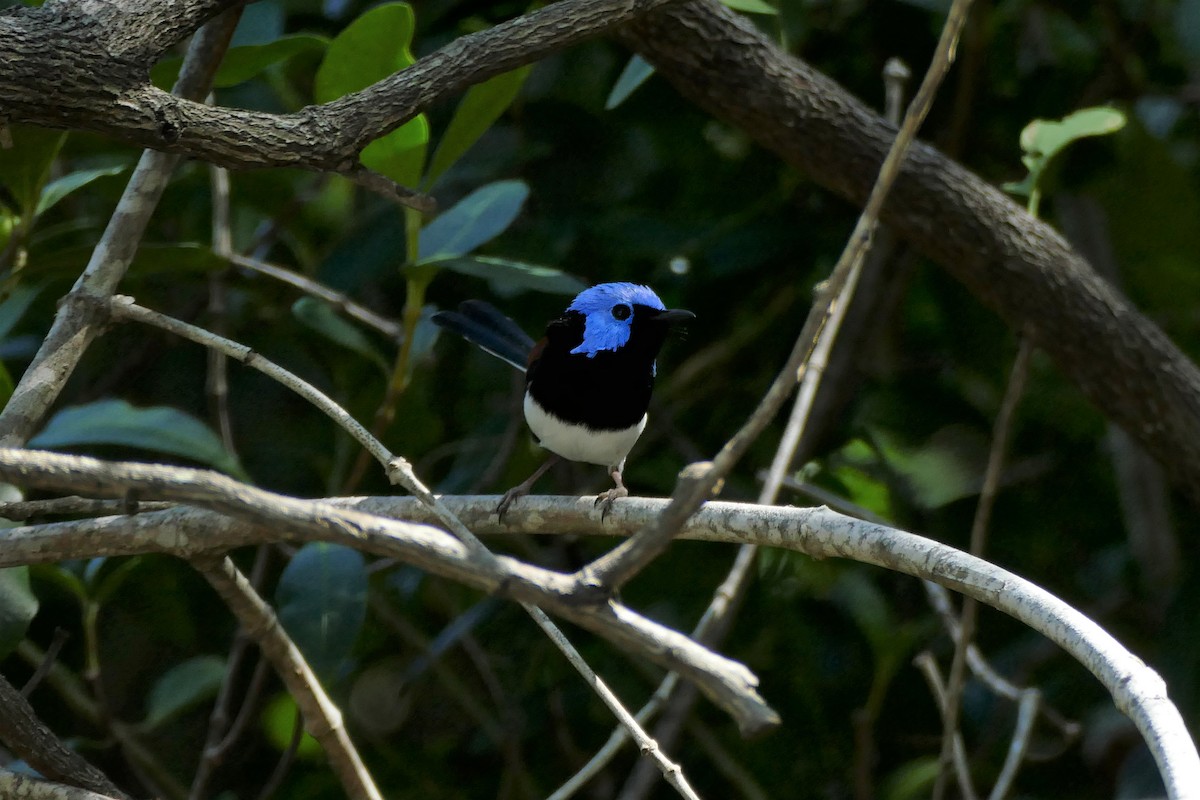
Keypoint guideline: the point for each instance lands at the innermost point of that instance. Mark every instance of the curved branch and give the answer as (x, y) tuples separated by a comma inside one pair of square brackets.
[(819, 532), (1018, 266), (114, 98), (727, 683)]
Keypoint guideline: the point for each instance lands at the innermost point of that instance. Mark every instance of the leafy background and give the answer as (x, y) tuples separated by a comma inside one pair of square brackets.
[(583, 169)]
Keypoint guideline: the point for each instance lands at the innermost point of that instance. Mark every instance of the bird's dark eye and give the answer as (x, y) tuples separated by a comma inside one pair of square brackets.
[(621, 312)]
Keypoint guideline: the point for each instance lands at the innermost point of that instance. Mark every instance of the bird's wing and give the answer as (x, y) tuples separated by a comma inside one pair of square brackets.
[(483, 325)]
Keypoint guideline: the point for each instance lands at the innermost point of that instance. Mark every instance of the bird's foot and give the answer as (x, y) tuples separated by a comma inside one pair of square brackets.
[(605, 500), (509, 498)]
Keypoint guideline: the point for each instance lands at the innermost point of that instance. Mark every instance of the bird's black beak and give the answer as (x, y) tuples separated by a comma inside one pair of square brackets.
[(674, 315)]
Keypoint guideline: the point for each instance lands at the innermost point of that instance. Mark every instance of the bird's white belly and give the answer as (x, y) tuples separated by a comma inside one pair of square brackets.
[(578, 443)]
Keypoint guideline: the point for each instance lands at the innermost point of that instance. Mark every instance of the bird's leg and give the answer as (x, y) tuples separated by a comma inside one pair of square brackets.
[(606, 499), (522, 489)]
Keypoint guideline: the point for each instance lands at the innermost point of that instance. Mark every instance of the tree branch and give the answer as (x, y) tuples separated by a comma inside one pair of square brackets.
[(729, 684), (86, 90), (1136, 689), (1016, 265)]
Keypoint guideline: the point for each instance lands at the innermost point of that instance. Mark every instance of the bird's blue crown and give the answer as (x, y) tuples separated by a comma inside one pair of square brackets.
[(606, 326)]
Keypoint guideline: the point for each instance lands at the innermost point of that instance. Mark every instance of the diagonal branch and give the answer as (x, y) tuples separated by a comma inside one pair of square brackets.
[(1018, 266)]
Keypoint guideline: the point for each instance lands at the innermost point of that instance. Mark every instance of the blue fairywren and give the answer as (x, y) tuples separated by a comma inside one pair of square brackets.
[(588, 381)]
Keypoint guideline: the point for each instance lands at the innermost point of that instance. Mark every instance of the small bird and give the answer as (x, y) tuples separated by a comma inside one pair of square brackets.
[(588, 381)]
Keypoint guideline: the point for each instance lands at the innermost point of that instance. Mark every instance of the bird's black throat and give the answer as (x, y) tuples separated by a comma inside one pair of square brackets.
[(607, 391)]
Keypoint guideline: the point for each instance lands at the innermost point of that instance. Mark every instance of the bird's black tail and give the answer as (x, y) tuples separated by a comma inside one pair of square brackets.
[(483, 325)]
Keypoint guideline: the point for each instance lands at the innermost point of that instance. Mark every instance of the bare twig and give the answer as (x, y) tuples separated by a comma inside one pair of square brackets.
[(670, 770), (23, 510), (927, 664), (389, 328), (48, 660), (322, 718), (1001, 434)]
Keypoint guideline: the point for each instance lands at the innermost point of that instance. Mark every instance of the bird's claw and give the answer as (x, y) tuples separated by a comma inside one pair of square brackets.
[(605, 500), (510, 497)]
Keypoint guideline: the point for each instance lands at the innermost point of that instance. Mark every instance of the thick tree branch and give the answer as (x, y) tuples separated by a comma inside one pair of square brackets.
[(727, 683), (85, 90), (1136, 690), (1018, 266)]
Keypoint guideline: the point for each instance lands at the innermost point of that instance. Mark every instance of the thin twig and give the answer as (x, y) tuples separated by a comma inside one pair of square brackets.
[(1027, 714), (927, 664), (24, 510), (1001, 434), (670, 770), (48, 661), (342, 302), (322, 718)]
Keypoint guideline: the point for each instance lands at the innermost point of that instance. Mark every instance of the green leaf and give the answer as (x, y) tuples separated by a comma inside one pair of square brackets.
[(158, 429), (324, 319), (25, 166), (59, 188), (508, 277), (243, 63), (182, 687), (400, 155), (371, 48), (14, 307), (367, 50), (322, 600), (911, 780), (751, 6), (1043, 138), (480, 107), (279, 720), (637, 71), (17, 607), (478, 218)]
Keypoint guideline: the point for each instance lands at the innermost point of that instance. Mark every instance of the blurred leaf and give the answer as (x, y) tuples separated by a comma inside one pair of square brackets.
[(25, 166), (1043, 138), (400, 155), (751, 6), (245, 62), (158, 429), (480, 107), (911, 780), (371, 48), (863, 602), (13, 309), (948, 467), (476, 219), (18, 605), (59, 188), (106, 583), (637, 71), (6, 384), (62, 577), (1187, 28), (182, 687), (322, 601), (325, 320), (508, 277), (279, 720)]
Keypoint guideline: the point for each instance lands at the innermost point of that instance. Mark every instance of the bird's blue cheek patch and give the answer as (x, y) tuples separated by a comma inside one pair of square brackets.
[(602, 332)]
